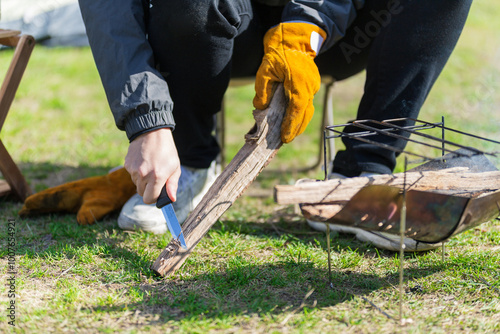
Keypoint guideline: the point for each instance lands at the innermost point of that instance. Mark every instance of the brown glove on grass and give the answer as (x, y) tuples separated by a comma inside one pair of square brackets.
[(289, 52), (91, 198)]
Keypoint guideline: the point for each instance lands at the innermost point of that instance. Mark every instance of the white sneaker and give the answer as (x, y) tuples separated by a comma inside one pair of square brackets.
[(193, 184), (392, 242), (380, 240)]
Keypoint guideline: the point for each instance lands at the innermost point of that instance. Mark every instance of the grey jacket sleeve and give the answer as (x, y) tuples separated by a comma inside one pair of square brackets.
[(333, 16), (137, 94)]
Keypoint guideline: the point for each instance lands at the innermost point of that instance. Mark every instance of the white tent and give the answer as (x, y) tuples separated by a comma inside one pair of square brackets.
[(51, 22)]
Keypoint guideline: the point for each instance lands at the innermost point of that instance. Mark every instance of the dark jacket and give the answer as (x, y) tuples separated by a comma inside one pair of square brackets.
[(137, 93)]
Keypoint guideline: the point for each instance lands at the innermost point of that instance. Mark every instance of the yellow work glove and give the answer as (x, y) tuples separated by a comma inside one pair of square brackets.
[(289, 52), (91, 198)]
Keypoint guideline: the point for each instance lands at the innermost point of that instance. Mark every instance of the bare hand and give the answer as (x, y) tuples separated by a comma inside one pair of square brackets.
[(152, 161)]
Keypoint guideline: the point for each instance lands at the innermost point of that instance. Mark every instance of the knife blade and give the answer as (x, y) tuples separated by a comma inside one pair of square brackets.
[(165, 204)]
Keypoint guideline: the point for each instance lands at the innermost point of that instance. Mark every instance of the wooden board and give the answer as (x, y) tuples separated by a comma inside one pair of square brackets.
[(453, 181), (262, 144)]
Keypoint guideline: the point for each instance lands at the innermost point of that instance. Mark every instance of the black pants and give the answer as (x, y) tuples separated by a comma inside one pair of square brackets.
[(199, 45)]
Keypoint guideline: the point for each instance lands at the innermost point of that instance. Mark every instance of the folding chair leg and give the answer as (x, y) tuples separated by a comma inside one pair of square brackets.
[(328, 119), (13, 175), (23, 47), (220, 128)]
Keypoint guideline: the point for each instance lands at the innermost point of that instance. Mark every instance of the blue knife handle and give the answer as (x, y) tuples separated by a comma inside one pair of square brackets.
[(163, 199)]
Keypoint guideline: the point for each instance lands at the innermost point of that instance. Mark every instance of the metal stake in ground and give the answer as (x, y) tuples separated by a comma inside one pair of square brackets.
[(402, 229), (329, 254)]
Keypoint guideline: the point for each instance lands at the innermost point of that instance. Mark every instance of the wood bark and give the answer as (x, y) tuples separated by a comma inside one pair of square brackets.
[(262, 144)]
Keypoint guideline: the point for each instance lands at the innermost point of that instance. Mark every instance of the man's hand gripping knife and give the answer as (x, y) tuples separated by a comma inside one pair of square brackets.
[(91, 198), (289, 52)]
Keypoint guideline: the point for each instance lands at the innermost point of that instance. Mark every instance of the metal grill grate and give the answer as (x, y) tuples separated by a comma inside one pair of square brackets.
[(415, 134)]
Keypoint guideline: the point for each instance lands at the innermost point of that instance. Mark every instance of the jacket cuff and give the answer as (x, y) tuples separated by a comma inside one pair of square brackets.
[(142, 120), (131, 139)]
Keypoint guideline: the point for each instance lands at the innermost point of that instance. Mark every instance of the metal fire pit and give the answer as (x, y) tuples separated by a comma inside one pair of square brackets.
[(431, 216)]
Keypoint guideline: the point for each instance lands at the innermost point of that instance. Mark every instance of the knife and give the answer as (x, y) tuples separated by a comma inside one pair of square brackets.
[(165, 204)]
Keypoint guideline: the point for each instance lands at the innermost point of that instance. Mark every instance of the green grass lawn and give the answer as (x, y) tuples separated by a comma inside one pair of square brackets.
[(260, 269)]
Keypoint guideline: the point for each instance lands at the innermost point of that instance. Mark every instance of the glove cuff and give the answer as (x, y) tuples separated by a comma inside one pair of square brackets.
[(296, 36)]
